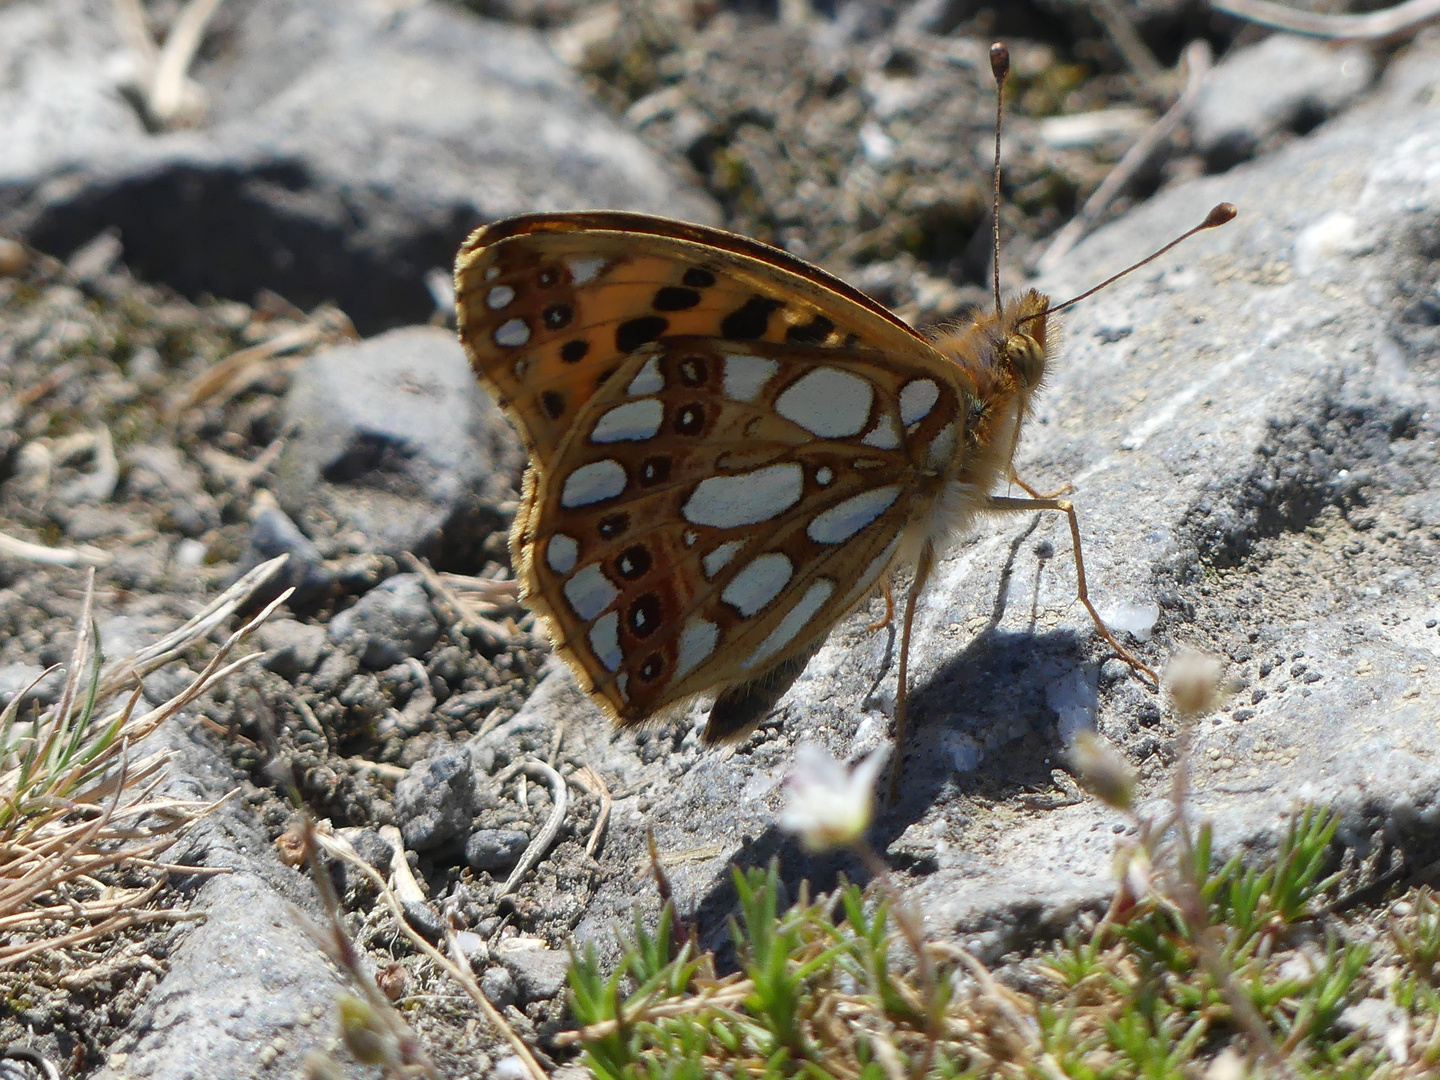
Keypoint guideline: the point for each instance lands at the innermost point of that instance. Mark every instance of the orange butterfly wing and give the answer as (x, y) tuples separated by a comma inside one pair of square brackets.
[(716, 508), (608, 338), (549, 305)]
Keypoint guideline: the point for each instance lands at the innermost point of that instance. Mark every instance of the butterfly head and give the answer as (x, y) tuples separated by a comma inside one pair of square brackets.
[(1024, 347)]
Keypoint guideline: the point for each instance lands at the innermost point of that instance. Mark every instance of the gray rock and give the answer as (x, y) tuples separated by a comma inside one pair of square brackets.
[(346, 148), (291, 648), (16, 678), (337, 669), (498, 985), (370, 846), (435, 799), (390, 622), (168, 683), (393, 439), (1281, 84), (124, 635), (247, 977), (494, 849), (1257, 461), (273, 534), (157, 473), (539, 973)]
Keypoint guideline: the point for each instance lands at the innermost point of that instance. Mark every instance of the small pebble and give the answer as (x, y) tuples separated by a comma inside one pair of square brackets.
[(13, 257), (498, 986), (494, 849)]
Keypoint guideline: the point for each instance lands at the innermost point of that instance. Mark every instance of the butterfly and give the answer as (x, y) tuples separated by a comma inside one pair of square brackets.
[(730, 449)]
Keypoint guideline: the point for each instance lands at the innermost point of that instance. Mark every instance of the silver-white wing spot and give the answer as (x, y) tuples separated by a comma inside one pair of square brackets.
[(844, 520), (647, 380), (596, 482), (635, 421), (605, 640), (793, 622), (942, 448), (759, 582), (697, 641), (585, 268), (828, 402), (885, 435), (824, 474), (560, 553), (726, 502), (499, 297), (746, 375), (512, 333), (717, 560), (589, 592), (917, 398)]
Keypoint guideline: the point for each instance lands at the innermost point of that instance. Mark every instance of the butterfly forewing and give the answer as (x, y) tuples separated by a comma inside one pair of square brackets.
[(549, 306), (715, 507)]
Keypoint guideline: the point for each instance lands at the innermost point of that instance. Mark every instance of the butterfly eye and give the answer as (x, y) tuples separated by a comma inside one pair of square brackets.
[(1028, 357)]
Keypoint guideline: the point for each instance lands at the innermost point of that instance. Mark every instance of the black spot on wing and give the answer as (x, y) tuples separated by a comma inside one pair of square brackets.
[(613, 525), (694, 370), (674, 298), (633, 333), (750, 320), (634, 562), (654, 470), (644, 616), (811, 333), (690, 420)]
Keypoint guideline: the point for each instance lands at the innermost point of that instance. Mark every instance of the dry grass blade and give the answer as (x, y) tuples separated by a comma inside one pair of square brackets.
[(541, 844), (1196, 59), (82, 555), (594, 783), (168, 91), (469, 601), (458, 969), (1400, 20), (243, 369), (121, 672), (72, 802)]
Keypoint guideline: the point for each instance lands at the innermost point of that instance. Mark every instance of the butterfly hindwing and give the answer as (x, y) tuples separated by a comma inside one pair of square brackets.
[(549, 306), (715, 507)]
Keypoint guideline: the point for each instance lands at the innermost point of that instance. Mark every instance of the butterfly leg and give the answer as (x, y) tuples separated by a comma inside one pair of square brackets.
[(1066, 507), (923, 565), (1065, 490), (889, 616)]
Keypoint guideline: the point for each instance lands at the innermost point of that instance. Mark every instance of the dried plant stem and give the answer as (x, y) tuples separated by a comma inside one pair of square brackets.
[(541, 844), (1402, 19), (340, 849), (83, 555), (167, 91), (1197, 62)]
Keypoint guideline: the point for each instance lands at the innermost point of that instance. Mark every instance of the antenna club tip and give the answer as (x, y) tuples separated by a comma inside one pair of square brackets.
[(1222, 213), (999, 60)]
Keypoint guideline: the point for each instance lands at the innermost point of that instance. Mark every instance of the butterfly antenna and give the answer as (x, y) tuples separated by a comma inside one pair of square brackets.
[(1000, 66), (1218, 216)]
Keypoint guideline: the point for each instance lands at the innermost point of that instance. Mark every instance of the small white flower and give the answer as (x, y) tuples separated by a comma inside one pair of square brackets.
[(826, 804)]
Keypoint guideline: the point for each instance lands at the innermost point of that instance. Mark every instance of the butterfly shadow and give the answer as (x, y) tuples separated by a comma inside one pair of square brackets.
[(981, 727)]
